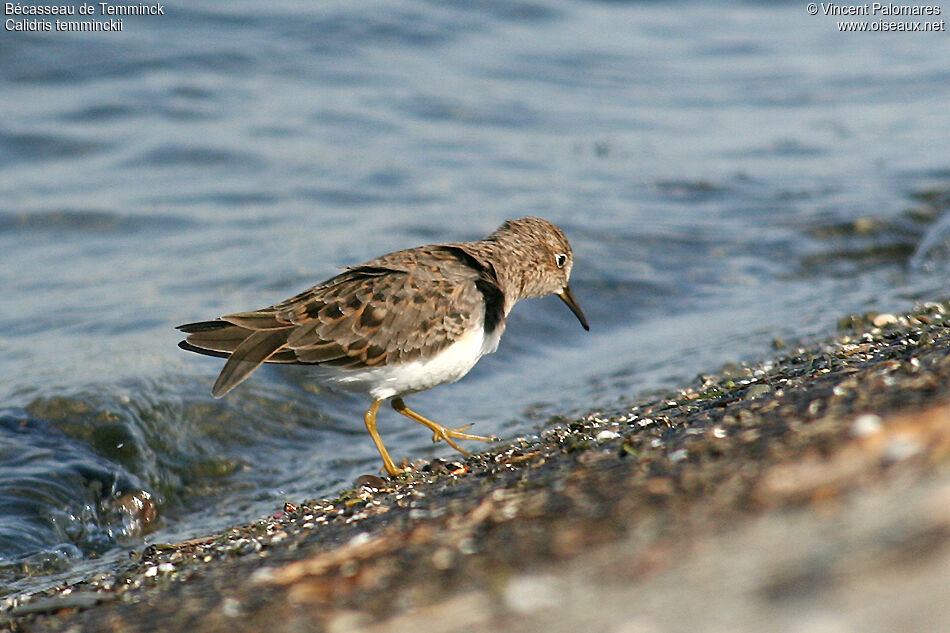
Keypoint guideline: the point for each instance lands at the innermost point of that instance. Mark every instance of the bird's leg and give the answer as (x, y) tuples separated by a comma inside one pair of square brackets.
[(370, 419), (440, 432)]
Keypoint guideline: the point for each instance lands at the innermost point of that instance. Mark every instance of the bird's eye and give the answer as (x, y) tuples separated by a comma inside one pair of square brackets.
[(560, 259)]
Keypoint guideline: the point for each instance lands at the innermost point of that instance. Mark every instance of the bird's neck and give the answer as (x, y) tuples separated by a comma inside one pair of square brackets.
[(508, 264)]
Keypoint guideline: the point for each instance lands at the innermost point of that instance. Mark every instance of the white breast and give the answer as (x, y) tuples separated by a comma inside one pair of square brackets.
[(447, 366)]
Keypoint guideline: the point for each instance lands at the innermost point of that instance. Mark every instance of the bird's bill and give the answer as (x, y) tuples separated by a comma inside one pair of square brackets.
[(568, 297)]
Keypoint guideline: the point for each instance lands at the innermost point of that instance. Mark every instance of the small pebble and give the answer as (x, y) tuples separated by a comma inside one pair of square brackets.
[(231, 608), (902, 447), (866, 425), (884, 319), (442, 558), (262, 575), (370, 481), (757, 391), (531, 593), (346, 621), (679, 455)]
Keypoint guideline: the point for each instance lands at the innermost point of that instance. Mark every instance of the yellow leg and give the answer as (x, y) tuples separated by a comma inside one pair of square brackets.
[(440, 432), (370, 419)]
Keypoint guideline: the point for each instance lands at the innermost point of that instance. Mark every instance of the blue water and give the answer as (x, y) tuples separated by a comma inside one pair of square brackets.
[(727, 174)]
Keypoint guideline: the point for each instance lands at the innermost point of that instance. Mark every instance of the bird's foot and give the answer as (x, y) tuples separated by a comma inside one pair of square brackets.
[(440, 432)]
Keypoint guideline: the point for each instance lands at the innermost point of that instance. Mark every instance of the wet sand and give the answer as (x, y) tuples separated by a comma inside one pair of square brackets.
[(809, 492)]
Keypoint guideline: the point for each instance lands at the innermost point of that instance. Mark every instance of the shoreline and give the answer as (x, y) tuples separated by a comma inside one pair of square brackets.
[(809, 489)]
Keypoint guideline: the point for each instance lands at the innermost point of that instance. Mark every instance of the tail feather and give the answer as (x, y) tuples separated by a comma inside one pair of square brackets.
[(226, 338), (185, 345), (257, 320), (203, 326), (246, 349), (246, 357)]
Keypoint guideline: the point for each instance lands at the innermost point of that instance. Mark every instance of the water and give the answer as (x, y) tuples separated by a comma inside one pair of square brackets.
[(727, 174)]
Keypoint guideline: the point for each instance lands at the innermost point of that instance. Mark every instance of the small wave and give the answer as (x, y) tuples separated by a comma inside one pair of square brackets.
[(87, 221), (933, 250), (16, 147), (178, 155), (59, 501)]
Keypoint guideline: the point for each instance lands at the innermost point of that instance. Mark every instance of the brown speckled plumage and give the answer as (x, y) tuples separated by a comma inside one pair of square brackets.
[(406, 306)]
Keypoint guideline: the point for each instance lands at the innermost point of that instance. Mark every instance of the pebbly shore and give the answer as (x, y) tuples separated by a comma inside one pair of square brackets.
[(806, 492)]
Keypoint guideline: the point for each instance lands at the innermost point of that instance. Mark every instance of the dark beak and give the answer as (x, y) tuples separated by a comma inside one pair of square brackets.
[(568, 297)]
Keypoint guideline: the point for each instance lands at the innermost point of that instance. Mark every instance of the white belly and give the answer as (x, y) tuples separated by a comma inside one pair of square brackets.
[(447, 366)]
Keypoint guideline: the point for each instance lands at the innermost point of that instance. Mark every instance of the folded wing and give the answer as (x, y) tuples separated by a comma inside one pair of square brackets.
[(384, 312)]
